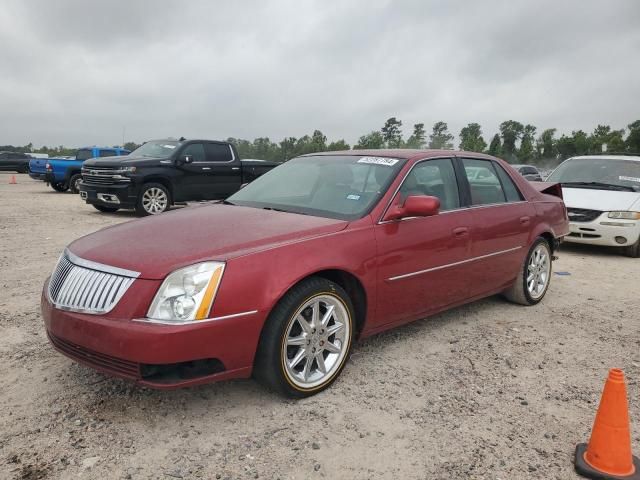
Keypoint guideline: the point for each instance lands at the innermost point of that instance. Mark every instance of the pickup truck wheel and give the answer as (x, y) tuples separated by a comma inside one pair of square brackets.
[(534, 276), (102, 208), (153, 199), (24, 169), (74, 183), (59, 187), (633, 251), (306, 340)]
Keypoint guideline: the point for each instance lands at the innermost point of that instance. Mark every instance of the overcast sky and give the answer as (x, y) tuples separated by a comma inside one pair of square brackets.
[(77, 72)]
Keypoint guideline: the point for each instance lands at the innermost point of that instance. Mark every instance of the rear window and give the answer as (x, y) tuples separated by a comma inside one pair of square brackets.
[(217, 152), (84, 154), (108, 153)]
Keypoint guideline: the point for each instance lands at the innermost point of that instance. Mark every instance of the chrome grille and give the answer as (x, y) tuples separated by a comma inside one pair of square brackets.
[(582, 214), (83, 286), (104, 175)]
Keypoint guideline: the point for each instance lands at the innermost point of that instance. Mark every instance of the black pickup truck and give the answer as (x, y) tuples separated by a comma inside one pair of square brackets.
[(163, 172)]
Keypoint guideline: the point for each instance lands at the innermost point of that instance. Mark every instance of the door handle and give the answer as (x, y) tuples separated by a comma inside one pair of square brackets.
[(460, 232), (235, 168), (206, 168), (525, 220)]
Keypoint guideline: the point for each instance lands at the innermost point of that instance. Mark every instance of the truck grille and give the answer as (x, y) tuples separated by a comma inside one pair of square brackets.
[(582, 214), (103, 176), (88, 287)]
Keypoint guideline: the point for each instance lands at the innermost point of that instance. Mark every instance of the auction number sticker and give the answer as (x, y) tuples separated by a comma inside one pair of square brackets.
[(169, 146), (389, 162), (629, 179)]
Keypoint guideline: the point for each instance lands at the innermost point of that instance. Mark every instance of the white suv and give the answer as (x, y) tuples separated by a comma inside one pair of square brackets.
[(602, 195)]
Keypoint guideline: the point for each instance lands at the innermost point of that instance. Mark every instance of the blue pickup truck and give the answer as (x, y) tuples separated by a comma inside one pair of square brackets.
[(65, 173)]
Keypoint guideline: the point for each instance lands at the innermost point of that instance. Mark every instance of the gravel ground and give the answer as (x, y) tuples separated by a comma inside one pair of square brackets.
[(489, 390)]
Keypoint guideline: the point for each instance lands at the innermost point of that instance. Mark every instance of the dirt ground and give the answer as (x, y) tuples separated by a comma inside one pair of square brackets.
[(490, 390)]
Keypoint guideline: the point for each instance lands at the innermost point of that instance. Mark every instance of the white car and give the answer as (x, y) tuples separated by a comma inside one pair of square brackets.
[(602, 195)]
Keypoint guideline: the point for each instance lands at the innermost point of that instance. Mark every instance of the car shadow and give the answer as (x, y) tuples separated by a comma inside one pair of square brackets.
[(592, 250)]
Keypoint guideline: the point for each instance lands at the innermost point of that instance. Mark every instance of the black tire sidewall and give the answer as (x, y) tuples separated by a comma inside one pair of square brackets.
[(140, 209), (72, 182), (269, 367), (530, 299)]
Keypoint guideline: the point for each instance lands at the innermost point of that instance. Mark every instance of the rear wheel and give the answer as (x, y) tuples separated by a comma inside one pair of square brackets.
[(534, 276), (74, 182), (104, 209), (633, 251), (154, 199), (59, 187), (306, 340), (24, 168)]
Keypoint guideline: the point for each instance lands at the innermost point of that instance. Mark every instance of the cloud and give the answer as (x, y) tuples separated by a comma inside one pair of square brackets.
[(77, 72)]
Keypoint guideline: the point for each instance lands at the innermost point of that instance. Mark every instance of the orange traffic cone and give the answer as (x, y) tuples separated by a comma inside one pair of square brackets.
[(12, 180), (608, 454)]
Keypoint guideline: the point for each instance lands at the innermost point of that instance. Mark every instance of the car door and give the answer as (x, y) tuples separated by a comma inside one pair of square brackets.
[(501, 220), (191, 184), (222, 174), (4, 161), (421, 259)]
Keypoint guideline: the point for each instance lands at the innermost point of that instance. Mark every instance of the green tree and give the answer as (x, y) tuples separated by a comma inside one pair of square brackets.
[(471, 138), (440, 137), (371, 140), (288, 148), (392, 133), (527, 151), (338, 145), (511, 131), (633, 140), (495, 147), (131, 146), (318, 141), (599, 138), (615, 142), (547, 144), (304, 145), (265, 149), (418, 137)]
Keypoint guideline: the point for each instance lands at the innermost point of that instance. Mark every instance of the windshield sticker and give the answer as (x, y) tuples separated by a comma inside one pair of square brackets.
[(353, 197), (169, 146), (389, 162), (629, 179)]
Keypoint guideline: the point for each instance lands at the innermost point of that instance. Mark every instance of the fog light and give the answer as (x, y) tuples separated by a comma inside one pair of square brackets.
[(621, 240)]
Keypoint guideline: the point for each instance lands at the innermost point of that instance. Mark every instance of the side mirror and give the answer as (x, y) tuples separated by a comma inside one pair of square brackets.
[(414, 206), (185, 159)]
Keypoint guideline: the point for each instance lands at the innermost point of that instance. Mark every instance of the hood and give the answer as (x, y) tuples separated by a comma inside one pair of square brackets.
[(121, 160), (155, 246), (603, 200)]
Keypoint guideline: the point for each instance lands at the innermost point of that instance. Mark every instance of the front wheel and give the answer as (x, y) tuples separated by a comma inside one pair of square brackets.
[(534, 277), (74, 182), (633, 251), (306, 340), (59, 187), (24, 169), (154, 199)]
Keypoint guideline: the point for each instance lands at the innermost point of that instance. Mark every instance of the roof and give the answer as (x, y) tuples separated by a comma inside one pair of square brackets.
[(606, 157), (405, 153)]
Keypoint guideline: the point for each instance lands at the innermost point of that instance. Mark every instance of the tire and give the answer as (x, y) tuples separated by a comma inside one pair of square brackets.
[(633, 251), (59, 187), (74, 182), (24, 169), (275, 365), (521, 291), (102, 208), (149, 192)]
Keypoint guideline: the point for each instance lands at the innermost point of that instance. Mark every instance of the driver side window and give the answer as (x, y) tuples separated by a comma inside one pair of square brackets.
[(435, 178), (196, 150)]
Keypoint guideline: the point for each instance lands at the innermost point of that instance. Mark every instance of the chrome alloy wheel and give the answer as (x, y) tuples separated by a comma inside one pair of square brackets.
[(316, 341), (154, 201), (538, 271)]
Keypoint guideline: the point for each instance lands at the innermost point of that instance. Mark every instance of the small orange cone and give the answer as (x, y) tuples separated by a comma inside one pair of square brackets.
[(608, 454), (12, 180)]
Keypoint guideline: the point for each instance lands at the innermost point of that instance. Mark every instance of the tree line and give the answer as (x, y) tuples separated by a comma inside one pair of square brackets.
[(515, 142)]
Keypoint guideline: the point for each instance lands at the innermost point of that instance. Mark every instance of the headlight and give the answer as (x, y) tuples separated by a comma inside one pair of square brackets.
[(625, 215), (187, 294), (126, 170)]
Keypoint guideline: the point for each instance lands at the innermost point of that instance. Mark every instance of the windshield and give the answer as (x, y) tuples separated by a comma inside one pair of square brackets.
[(156, 148), (598, 171), (342, 187), (84, 154)]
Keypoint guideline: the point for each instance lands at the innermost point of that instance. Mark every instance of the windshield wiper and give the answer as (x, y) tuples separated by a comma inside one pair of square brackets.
[(609, 186), (282, 210)]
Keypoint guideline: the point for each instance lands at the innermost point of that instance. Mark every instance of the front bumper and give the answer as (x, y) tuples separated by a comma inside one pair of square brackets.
[(137, 351), (605, 231), (122, 195)]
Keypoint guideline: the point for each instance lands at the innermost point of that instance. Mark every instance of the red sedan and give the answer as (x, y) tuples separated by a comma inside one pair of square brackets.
[(280, 279)]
